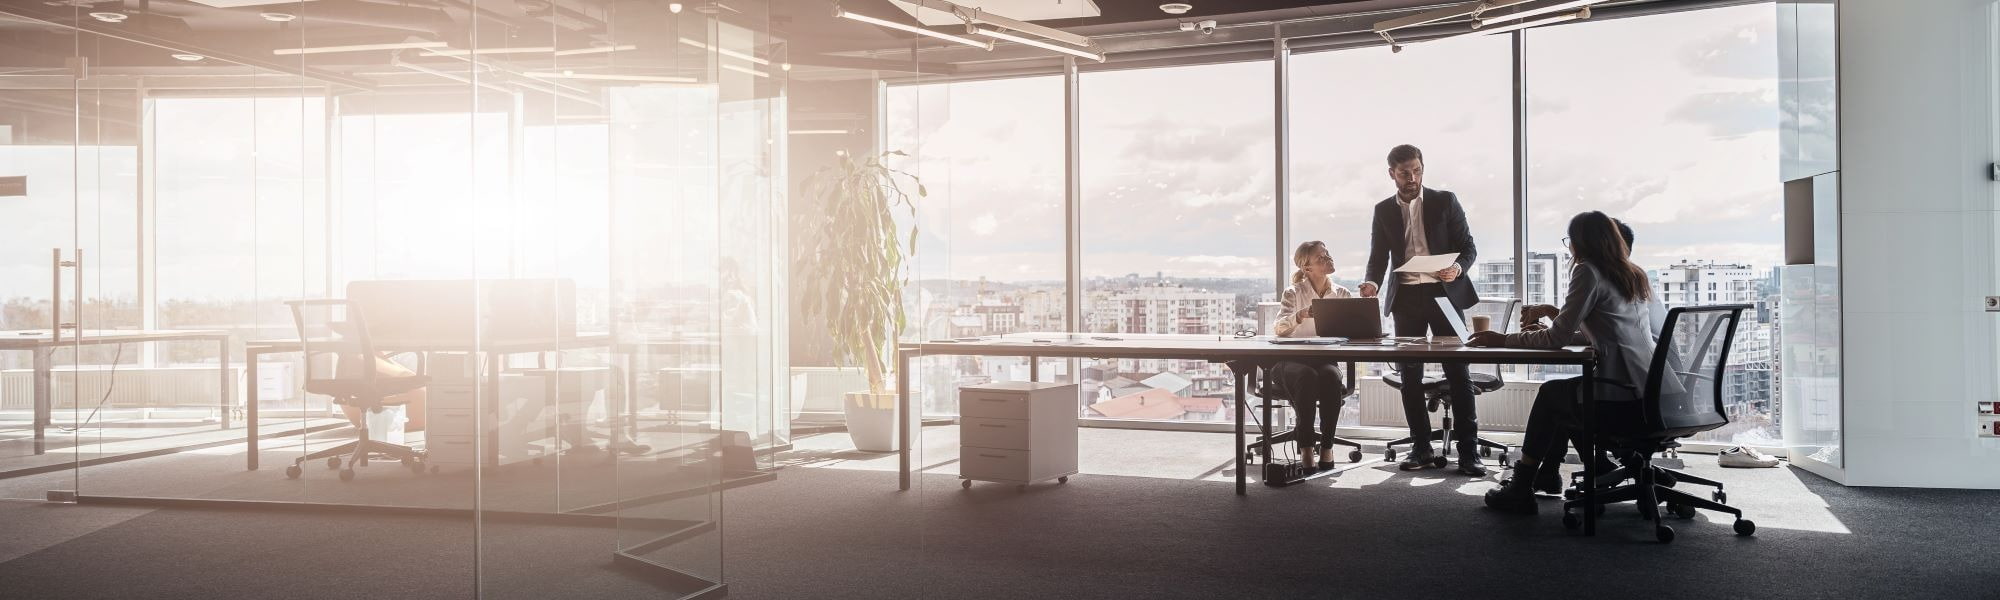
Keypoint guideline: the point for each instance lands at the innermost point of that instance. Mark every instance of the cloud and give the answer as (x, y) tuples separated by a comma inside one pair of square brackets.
[(1729, 114), (984, 224), (1741, 50)]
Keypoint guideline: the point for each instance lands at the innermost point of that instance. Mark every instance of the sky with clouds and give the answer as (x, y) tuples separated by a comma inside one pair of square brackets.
[(1669, 122)]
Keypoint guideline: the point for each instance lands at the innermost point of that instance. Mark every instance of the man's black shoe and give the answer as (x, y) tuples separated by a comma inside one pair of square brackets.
[(1419, 460), (1469, 465)]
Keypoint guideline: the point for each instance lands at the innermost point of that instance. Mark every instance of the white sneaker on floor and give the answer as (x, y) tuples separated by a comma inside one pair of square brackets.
[(1745, 458)]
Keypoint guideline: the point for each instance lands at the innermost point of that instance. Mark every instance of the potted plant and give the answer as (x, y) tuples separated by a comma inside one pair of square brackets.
[(858, 284)]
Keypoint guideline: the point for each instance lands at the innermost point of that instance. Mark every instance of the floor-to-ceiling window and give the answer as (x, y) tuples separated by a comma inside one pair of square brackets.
[(990, 247), (1178, 180), (1451, 99), (1670, 124)]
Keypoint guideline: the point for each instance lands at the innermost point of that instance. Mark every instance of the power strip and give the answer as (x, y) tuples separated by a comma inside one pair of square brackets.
[(1281, 473)]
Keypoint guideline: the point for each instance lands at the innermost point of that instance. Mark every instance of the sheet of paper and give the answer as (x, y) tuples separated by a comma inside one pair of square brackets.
[(1428, 264)]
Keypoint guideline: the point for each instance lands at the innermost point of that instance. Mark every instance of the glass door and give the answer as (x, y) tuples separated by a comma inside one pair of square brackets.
[(39, 175)]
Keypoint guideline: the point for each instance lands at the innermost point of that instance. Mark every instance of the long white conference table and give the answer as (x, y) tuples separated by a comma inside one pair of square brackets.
[(1243, 356)]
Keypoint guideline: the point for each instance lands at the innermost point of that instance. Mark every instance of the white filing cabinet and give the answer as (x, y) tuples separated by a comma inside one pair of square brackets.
[(513, 417), (1017, 432)]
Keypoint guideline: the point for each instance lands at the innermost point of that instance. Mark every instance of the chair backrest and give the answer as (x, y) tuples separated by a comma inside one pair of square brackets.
[(334, 327), (1503, 311), (1683, 394)]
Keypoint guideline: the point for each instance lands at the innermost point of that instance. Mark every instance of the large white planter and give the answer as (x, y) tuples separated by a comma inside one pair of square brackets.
[(871, 420)]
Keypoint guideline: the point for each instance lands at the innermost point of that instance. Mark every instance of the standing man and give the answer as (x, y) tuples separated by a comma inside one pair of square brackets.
[(1424, 222)]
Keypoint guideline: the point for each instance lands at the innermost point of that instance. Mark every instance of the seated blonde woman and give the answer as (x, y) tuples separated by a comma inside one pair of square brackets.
[(1314, 387)]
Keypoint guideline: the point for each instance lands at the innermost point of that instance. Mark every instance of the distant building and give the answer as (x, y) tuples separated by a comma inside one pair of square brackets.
[(1703, 283), (1548, 274)]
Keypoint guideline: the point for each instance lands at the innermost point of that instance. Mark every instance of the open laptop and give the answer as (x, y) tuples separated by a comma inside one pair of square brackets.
[(1351, 318), (1457, 323)]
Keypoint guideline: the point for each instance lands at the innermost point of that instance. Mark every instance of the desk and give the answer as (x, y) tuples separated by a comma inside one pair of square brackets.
[(42, 344), (1242, 355), (494, 351)]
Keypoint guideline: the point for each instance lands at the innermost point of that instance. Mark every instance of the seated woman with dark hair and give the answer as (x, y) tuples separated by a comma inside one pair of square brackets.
[(1607, 303)]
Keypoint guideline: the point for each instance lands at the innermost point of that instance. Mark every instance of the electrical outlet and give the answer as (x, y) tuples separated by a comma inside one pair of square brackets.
[(1996, 171), (1993, 304)]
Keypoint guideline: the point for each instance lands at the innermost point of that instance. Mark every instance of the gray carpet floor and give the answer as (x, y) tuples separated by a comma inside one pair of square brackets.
[(840, 529)]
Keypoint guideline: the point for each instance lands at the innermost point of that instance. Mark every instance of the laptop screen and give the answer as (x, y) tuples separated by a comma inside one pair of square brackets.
[(1451, 316)]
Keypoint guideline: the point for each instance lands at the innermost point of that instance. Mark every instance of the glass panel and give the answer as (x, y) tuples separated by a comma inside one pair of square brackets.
[(1451, 99), (39, 118), (1178, 183), (1671, 88)]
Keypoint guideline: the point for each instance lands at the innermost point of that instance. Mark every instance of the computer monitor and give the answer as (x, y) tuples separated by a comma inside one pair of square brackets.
[(1351, 318)]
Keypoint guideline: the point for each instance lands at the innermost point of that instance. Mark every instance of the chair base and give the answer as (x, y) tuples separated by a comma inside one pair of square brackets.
[(1650, 487), (1439, 435), (357, 453)]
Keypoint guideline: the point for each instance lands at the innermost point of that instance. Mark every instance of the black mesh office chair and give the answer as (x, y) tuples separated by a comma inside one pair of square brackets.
[(335, 327), (1682, 397), (1437, 392), (1269, 399)]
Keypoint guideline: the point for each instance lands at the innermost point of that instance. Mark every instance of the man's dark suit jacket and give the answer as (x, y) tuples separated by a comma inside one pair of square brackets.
[(1445, 232)]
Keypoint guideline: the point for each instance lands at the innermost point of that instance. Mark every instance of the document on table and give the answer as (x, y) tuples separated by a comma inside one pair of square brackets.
[(1428, 264)]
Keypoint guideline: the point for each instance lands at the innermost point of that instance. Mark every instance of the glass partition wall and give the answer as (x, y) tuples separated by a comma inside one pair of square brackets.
[(574, 232)]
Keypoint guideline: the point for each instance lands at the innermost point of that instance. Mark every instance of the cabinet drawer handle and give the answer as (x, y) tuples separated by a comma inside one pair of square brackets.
[(992, 425), (992, 456)]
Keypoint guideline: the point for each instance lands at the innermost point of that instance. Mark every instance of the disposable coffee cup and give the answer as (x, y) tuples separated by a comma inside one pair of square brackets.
[(1482, 323)]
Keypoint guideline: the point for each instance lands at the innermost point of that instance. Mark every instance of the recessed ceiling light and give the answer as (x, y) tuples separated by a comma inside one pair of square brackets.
[(189, 57), (674, 7), (785, 66), (1176, 8), (277, 17), (109, 17)]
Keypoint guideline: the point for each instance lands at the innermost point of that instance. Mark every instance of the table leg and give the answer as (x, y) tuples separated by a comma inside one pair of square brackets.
[(1241, 465), (43, 408), (250, 404), (222, 389), (1034, 369), (903, 419), (1589, 449)]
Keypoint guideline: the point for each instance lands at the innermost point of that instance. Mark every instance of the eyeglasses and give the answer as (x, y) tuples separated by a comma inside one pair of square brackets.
[(1565, 241)]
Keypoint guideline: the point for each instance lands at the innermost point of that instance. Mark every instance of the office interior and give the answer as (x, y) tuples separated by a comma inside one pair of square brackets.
[(617, 241)]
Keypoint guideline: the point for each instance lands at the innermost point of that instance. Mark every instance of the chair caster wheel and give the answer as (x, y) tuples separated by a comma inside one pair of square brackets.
[(1390, 455), (1681, 510), (1571, 521), (292, 472), (1354, 456), (1439, 462), (1664, 533), (333, 463), (1486, 452), (1062, 480), (1745, 527), (1720, 496), (1667, 479), (414, 466), (347, 474), (965, 485), (1503, 459)]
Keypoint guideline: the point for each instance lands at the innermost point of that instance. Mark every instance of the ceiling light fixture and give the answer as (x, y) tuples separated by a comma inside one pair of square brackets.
[(1532, 12), (1176, 8), (358, 48), (188, 57), (109, 17), (278, 17), (1096, 56), (478, 51), (785, 66), (746, 70), (1581, 14), (842, 13), (596, 50), (674, 7), (610, 77), (726, 52)]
